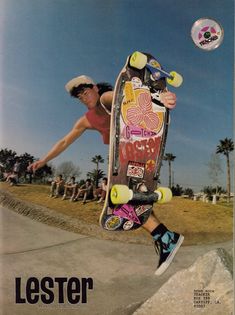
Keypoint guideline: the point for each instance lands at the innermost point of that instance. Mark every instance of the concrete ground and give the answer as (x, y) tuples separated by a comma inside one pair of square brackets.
[(122, 273)]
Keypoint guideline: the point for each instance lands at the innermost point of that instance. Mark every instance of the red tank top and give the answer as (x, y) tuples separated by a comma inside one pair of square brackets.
[(100, 122)]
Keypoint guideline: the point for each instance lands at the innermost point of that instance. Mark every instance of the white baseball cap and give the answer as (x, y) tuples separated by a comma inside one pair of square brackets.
[(75, 82)]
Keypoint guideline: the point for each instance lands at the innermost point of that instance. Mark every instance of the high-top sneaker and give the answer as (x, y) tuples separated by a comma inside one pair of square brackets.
[(167, 246)]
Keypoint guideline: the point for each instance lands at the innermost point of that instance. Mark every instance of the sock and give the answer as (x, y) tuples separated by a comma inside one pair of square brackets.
[(159, 231)]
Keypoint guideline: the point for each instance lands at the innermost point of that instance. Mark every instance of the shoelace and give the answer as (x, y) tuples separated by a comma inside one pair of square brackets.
[(157, 246)]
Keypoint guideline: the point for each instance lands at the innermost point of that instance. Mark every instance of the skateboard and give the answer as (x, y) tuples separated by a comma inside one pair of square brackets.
[(138, 132)]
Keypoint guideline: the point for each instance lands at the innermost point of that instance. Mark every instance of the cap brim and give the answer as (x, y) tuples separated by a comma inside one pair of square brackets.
[(75, 82)]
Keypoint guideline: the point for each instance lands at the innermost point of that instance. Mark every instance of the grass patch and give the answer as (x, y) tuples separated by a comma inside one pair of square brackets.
[(200, 222)]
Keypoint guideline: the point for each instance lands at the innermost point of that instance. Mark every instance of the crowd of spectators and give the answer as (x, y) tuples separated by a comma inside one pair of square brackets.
[(73, 191), (70, 189)]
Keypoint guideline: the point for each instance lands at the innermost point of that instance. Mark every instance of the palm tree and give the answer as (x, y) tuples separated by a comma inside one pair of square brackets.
[(170, 158), (97, 159), (225, 147)]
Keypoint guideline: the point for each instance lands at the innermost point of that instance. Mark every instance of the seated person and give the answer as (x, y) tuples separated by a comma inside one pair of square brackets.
[(85, 191), (12, 178), (57, 187), (100, 193), (70, 187)]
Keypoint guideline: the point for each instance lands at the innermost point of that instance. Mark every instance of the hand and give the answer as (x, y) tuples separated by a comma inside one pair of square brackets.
[(36, 165), (168, 99)]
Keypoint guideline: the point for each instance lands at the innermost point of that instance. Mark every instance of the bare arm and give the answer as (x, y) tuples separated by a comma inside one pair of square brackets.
[(106, 99), (80, 126)]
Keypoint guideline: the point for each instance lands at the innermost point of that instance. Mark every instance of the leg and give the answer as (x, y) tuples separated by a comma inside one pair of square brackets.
[(80, 192), (84, 197), (74, 190), (102, 196), (151, 224), (65, 192), (53, 188), (97, 193), (57, 191), (166, 243)]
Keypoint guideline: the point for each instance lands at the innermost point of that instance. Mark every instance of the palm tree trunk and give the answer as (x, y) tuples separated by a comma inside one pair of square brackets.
[(169, 174), (97, 169), (228, 179)]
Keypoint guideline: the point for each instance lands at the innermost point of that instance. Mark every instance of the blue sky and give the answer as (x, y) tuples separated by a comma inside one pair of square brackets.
[(45, 43)]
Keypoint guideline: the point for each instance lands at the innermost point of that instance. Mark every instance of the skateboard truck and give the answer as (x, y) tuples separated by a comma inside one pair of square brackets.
[(138, 60), (121, 194)]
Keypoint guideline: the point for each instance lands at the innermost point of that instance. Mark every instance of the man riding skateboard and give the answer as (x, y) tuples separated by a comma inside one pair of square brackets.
[(98, 100)]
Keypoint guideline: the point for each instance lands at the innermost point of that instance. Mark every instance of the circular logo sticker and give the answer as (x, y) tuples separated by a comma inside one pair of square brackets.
[(137, 83), (128, 225), (113, 222), (207, 34)]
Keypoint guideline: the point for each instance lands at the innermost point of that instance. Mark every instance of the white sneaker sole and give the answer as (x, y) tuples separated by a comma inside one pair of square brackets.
[(167, 263)]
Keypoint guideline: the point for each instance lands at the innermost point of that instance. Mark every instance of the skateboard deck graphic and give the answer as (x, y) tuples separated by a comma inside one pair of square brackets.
[(139, 123)]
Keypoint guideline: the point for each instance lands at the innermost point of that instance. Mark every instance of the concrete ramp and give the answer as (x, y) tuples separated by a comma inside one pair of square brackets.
[(204, 288)]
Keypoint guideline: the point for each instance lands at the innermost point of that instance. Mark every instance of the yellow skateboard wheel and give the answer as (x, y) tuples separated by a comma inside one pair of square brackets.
[(120, 194), (138, 60), (176, 79), (165, 194)]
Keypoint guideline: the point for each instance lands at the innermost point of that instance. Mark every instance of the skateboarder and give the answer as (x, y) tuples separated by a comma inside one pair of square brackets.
[(98, 100)]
